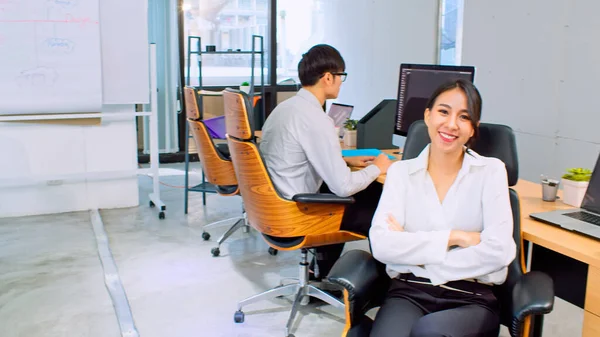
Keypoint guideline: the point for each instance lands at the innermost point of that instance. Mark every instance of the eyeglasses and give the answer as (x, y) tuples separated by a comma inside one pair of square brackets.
[(342, 75)]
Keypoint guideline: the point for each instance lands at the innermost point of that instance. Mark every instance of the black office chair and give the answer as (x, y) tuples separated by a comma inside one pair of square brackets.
[(523, 296)]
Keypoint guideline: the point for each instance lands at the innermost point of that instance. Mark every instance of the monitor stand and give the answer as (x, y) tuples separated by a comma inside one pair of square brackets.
[(399, 142)]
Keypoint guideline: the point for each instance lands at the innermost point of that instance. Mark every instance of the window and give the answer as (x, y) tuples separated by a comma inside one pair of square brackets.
[(450, 41), (262, 4), (299, 27), (228, 25), (245, 4)]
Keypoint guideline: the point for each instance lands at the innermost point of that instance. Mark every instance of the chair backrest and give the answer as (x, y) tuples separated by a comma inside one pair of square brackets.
[(238, 123), (218, 169), (192, 110), (494, 140), (268, 212)]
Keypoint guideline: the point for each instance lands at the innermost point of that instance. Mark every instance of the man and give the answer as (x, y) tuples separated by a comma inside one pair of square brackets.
[(302, 149)]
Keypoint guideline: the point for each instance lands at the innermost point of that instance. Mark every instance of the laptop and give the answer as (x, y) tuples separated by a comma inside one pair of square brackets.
[(340, 113), (585, 220)]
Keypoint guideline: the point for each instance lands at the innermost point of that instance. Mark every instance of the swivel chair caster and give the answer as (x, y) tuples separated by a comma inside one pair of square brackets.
[(238, 317)]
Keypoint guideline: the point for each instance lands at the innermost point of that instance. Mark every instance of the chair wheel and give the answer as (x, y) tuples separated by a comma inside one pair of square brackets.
[(205, 236), (272, 251), (152, 205), (291, 335), (238, 317), (161, 215), (215, 251)]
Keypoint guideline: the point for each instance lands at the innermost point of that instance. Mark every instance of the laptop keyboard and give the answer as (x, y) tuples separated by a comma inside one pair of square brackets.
[(585, 216)]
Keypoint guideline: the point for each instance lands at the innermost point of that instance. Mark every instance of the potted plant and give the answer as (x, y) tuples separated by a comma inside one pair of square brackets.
[(350, 132), (575, 183), (245, 87)]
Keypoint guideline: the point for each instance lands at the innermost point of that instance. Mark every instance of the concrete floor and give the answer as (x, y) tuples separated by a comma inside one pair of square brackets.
[(52, 282)]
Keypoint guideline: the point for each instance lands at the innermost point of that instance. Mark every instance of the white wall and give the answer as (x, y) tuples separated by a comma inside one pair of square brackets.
[(375, 37), (537, 66), (33, 154)]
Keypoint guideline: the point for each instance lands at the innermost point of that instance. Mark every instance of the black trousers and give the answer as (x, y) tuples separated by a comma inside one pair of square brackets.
[(357, 218), (423, 310)]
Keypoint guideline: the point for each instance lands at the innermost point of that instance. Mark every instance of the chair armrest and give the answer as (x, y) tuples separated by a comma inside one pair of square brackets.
[(322, 198), (355, 271), (363, 279), (532, 294)]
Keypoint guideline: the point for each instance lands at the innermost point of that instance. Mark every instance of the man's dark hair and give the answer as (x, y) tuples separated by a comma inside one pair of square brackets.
[(319, 60)]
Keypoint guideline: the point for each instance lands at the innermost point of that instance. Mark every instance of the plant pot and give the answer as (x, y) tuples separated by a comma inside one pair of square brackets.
[(245, 88), (350, 138), (574, 191)]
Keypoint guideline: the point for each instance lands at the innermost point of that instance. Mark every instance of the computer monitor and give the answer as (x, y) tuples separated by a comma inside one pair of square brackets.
[(417, 83), (340, 113)]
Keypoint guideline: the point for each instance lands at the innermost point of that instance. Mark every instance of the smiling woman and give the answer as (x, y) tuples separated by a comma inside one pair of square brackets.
[(443, 257)]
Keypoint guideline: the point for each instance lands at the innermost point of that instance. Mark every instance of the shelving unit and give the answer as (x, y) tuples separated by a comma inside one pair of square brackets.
[(257, 41)]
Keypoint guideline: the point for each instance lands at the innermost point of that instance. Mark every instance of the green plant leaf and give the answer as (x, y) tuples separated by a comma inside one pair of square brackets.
[(578, 174), (351, 124)]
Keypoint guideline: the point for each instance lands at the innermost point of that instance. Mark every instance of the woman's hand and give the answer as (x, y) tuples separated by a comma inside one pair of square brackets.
[(464, 239), (393, 225)]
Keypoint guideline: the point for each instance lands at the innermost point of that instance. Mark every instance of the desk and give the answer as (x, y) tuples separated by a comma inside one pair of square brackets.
[(564, 242), (573, 245)]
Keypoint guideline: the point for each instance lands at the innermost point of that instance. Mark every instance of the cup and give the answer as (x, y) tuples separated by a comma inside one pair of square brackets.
[(549, 189)]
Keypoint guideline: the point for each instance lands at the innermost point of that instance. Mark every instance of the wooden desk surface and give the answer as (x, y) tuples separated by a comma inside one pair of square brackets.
[(560, 240)]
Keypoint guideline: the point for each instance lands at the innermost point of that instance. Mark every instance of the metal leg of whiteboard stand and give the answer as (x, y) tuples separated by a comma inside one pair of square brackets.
[(204, 189), (155, 195), (187, 168)]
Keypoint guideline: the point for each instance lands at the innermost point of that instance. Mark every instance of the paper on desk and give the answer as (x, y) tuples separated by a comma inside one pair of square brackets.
[(364, 152)]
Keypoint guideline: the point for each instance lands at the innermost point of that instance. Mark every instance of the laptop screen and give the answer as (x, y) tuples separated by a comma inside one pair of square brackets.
[(340, 113), (591, 201)]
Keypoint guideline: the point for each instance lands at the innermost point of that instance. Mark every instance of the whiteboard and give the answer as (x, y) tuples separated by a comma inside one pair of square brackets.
[(50, 56), (125, 51)]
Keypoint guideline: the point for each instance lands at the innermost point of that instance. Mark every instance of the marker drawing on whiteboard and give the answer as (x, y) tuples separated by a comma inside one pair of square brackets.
[(6, 6), (37, 77), (56, 44), (63, 3)]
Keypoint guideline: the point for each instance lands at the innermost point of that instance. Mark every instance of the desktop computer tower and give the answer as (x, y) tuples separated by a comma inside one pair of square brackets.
[(376, 129)]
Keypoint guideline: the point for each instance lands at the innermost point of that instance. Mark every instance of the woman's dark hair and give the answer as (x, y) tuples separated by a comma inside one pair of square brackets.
[(473, 102), (317, 61)]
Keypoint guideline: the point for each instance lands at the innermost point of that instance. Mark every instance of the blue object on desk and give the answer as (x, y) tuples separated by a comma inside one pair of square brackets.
[(364, 152)]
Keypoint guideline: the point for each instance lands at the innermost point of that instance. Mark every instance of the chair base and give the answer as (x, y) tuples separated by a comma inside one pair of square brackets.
[(242, 222), (302, 290)]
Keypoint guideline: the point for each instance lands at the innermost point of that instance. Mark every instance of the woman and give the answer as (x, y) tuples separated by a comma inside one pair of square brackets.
[(443, 227)]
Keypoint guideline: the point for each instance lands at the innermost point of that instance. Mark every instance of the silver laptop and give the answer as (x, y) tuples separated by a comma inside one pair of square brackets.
[(585, 220), (340, 113)]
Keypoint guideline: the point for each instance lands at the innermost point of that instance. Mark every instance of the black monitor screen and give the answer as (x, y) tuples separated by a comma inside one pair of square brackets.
[(591, 201), (417, 83)]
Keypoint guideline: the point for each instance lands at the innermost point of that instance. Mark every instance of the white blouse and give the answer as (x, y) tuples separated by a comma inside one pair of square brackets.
[(477, 201)]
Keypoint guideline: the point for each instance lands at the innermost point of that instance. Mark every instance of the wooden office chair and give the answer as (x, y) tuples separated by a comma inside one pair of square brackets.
[(217, 168), (522, 297), (306, 221)]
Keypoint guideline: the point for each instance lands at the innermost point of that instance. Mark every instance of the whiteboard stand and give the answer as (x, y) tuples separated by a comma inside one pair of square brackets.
[(82, 177), (154, 162)]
